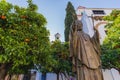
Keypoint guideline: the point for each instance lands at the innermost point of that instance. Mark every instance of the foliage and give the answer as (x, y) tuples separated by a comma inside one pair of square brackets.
[(24, 40), (70, 17), (61, 55), (111, 46)]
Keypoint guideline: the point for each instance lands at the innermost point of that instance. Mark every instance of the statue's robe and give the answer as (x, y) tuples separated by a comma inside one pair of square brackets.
[(85, 54)]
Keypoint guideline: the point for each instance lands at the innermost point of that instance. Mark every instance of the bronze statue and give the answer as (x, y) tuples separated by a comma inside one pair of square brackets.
[(85, 53)]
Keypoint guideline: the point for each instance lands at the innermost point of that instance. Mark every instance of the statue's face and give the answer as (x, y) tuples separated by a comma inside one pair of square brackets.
[(79, 25)]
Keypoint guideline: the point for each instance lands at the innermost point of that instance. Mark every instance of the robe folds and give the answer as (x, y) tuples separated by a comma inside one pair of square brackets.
[(85, 54)]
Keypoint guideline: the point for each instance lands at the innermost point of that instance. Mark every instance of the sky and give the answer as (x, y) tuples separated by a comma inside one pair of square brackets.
[(54, 11)]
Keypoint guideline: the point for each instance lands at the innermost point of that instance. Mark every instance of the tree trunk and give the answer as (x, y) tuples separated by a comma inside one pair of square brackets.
[(61, 76), (57, 76), (3, 71), (27, 76), (66, 75), (43, 77)]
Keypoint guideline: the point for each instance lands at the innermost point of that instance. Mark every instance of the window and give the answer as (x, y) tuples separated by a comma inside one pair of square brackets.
[(98, 11)]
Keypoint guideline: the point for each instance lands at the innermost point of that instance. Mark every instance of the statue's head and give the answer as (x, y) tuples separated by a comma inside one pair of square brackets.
[(77, 25)]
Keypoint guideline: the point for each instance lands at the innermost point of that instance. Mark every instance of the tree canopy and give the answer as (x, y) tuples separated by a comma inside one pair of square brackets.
[(70, 17), (111, 45), (60, 53), (24, 39)]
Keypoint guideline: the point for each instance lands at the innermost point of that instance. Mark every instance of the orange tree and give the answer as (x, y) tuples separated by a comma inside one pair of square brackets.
[(60, 54), (24, 40), (111, 45)]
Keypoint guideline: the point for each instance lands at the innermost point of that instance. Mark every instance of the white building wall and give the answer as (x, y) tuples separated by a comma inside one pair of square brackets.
[(108, 74), (94, 22), (88, 12)]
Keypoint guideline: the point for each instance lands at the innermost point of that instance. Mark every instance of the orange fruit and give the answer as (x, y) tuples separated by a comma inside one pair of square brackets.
[(24, 17), (27, 40), (3, 17)]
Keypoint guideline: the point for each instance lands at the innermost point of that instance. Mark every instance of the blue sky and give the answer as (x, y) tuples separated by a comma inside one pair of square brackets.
[(54, 11)]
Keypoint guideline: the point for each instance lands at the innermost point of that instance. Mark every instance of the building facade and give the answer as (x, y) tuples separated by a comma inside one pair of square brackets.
[(96, 18)]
